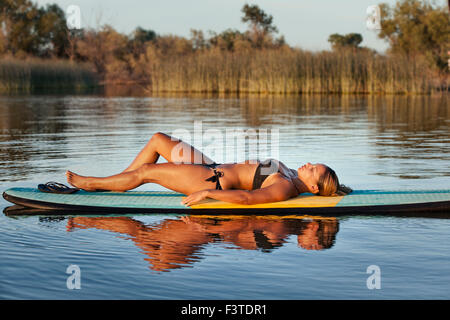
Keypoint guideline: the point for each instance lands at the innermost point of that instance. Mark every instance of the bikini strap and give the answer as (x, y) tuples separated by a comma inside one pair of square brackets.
[(215, 178)]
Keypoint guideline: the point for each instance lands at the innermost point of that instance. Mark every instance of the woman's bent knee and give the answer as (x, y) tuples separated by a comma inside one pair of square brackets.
[(157, 137), (162, 136), (160, 140)]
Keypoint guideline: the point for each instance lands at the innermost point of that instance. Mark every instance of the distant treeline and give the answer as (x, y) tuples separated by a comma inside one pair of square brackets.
[(37, 50)]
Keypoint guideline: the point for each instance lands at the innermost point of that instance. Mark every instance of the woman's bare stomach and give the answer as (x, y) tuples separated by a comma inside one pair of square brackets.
[(238, 175)]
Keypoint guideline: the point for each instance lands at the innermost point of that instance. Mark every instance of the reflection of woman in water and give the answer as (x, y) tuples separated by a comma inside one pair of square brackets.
[(197, 176), (175, 242)]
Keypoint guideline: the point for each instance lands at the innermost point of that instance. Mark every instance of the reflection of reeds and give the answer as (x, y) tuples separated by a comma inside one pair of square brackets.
[(34, 75), (288, 71), (413, 113)]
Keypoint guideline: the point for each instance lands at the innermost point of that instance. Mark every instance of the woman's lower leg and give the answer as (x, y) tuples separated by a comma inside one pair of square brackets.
[(119, 182), (183, 178), (148, 154)]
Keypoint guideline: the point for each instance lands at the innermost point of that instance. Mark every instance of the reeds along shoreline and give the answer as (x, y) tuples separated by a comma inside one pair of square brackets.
[(27, 76), (291, 71), (263, 71)]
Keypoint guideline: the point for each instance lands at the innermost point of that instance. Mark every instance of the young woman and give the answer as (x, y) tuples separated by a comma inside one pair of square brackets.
[(248, 182)]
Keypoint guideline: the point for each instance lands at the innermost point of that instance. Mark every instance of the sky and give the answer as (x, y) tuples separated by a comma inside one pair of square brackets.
[(304, 23)]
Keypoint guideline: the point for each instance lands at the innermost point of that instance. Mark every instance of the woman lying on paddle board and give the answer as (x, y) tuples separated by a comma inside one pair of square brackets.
[(248, 182)]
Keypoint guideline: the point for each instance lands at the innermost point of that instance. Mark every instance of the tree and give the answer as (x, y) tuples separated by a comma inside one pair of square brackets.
[(198, 39), (350, 40), (258, 19), (51, 28), (416, 28), (227, 39), (102, 48), (260, 23), (139, 38), (28, 29), (18, 24)]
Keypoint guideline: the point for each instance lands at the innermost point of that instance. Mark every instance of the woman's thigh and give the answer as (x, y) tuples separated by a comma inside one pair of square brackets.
[(175, 150), (183, 178)]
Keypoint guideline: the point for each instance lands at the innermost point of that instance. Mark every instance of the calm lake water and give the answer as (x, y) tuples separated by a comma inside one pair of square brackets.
[(394, 142)]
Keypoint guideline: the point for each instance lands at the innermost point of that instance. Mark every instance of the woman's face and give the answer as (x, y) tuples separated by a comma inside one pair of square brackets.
[(309, 238), (310, 175)]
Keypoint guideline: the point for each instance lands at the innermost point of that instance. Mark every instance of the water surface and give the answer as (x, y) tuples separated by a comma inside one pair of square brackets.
[(394, 142)]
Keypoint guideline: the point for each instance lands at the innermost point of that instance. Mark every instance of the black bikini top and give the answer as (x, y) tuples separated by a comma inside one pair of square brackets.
[(259, 177)]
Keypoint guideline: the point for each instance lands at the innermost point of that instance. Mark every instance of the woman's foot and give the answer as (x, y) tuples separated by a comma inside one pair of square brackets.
[(78, 181)]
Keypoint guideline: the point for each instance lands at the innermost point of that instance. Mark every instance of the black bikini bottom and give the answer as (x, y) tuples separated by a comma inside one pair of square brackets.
[(216, 176)]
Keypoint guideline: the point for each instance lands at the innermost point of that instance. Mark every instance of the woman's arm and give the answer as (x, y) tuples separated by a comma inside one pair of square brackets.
[(279, 191)]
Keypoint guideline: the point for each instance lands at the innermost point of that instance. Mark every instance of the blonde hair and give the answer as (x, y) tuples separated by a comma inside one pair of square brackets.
[(329, 185)]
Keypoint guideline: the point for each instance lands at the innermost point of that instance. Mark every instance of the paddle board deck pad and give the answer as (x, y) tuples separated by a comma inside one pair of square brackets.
[(359, 202)]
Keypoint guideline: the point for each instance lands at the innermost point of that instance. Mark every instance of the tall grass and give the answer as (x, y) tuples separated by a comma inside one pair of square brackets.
[(263, 71), (286, 71), (18, 76)]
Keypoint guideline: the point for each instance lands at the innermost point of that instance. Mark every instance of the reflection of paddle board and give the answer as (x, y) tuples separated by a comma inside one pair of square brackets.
[(359, 202)]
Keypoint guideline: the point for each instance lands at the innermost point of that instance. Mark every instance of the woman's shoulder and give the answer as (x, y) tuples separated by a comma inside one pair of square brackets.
[(277, 177), (282, 183)]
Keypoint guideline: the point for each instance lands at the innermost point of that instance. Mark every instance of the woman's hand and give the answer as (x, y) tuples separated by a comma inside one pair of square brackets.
[(195, 197), (193, 224)]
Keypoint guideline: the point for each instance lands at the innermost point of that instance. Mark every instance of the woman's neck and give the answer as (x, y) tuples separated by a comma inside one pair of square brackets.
[(298, 183), (300, 186)]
